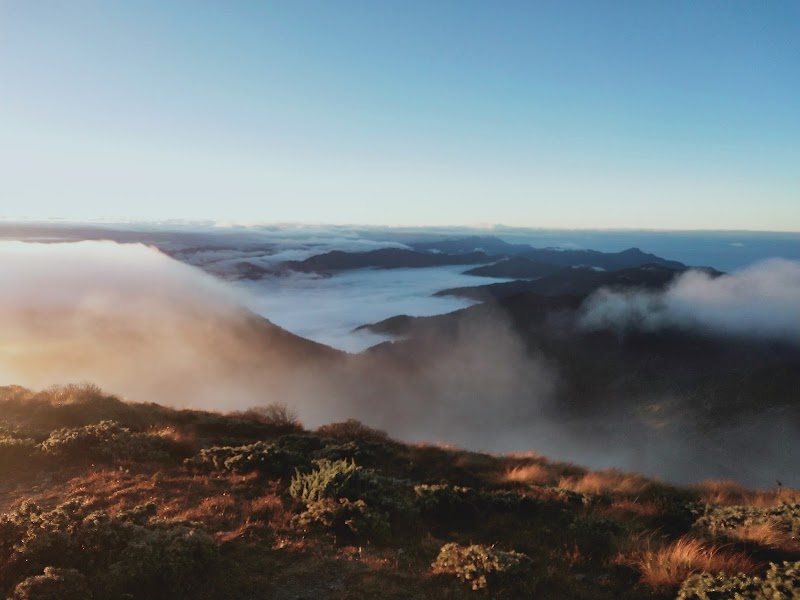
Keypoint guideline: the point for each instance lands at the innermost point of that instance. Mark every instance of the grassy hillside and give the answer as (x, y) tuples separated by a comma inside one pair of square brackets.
[(106, 499)]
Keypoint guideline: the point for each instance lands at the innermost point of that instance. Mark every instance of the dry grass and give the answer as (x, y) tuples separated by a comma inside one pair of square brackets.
[(730, 493), (609, 481), (626, 509), (667, 566), (534, 474), (769, 535)]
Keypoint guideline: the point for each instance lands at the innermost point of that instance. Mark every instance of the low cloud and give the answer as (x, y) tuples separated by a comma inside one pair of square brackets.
[(760, 301)]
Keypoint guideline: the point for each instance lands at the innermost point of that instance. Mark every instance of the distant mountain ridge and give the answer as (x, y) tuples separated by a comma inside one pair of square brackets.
[(383, 258), (577, 281)]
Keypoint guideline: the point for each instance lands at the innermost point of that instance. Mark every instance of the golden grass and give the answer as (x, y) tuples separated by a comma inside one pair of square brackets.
[(770, 535), (730, 493), (533, 473), (668, 565), (610, 481)]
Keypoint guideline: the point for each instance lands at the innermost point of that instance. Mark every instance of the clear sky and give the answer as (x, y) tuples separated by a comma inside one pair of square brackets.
[(641, 114)]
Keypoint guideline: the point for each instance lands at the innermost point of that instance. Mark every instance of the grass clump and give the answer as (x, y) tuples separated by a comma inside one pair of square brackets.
[(781, 582), (668, 565), (481, 567)]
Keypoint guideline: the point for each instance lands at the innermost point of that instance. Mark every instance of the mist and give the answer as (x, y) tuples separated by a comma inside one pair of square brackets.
[(328, 309), (762, 301), (149, 328), (128, 318)]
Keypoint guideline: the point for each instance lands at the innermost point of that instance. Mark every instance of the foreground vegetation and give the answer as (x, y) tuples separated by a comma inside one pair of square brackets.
[(103, 499)]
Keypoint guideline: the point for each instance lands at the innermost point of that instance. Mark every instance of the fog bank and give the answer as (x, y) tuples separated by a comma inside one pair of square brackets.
[(762, 301)]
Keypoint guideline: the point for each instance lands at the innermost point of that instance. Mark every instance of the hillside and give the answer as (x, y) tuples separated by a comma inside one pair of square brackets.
[(103, 498), (384, 258), (578, 281)]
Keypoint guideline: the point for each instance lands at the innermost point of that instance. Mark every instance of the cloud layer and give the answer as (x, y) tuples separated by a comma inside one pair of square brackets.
[(760, 301)]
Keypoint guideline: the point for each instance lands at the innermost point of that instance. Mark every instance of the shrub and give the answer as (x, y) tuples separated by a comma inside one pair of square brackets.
[(53, 584), (781, 582), (481, 566), (277, 416), (720, 520), (350, 500), (131, 555), (106, 440), (266, 459), (353, 430)]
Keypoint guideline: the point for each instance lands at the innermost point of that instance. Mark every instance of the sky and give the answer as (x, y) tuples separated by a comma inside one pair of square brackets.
[(566, 114)]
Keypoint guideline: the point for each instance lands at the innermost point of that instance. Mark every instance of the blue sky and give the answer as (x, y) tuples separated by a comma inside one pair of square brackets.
[(671, 115)]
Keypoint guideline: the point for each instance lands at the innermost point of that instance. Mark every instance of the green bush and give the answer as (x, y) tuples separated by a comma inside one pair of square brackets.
[(781, 582), (717, 520), (266, 459), (352, 501), (131, 556), (53, 584), (106, 440), (482, 566)]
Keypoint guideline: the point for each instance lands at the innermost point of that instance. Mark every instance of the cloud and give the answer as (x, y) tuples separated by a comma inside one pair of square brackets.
[(130, 319), (760, 301), (328, 309)]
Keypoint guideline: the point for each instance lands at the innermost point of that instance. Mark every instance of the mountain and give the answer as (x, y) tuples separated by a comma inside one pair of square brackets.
[(516, 267), (383, 258), (577, 281), (695, 378), (632, 257), (471, 243)]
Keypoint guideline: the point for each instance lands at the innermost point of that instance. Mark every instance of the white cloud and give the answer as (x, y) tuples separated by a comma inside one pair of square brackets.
[(762, 300)]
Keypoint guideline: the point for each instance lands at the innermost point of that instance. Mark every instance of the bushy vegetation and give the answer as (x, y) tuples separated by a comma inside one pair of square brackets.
[(353, 502), (261, 457), (482, 566), (70, 550), (106, 440), (781, 582), (104, 499), (721, 520)]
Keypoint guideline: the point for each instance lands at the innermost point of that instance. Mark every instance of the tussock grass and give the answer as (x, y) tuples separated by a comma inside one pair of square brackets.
[(667, 565), (730, 493)]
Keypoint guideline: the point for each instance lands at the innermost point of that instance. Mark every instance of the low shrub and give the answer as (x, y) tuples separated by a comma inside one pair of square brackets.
[(278, 417), (267, 459), (781, 582), (482, 567), (106, 440), (352, 501), (131, 556), (53, 584), (719, 520), (353, 430)]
